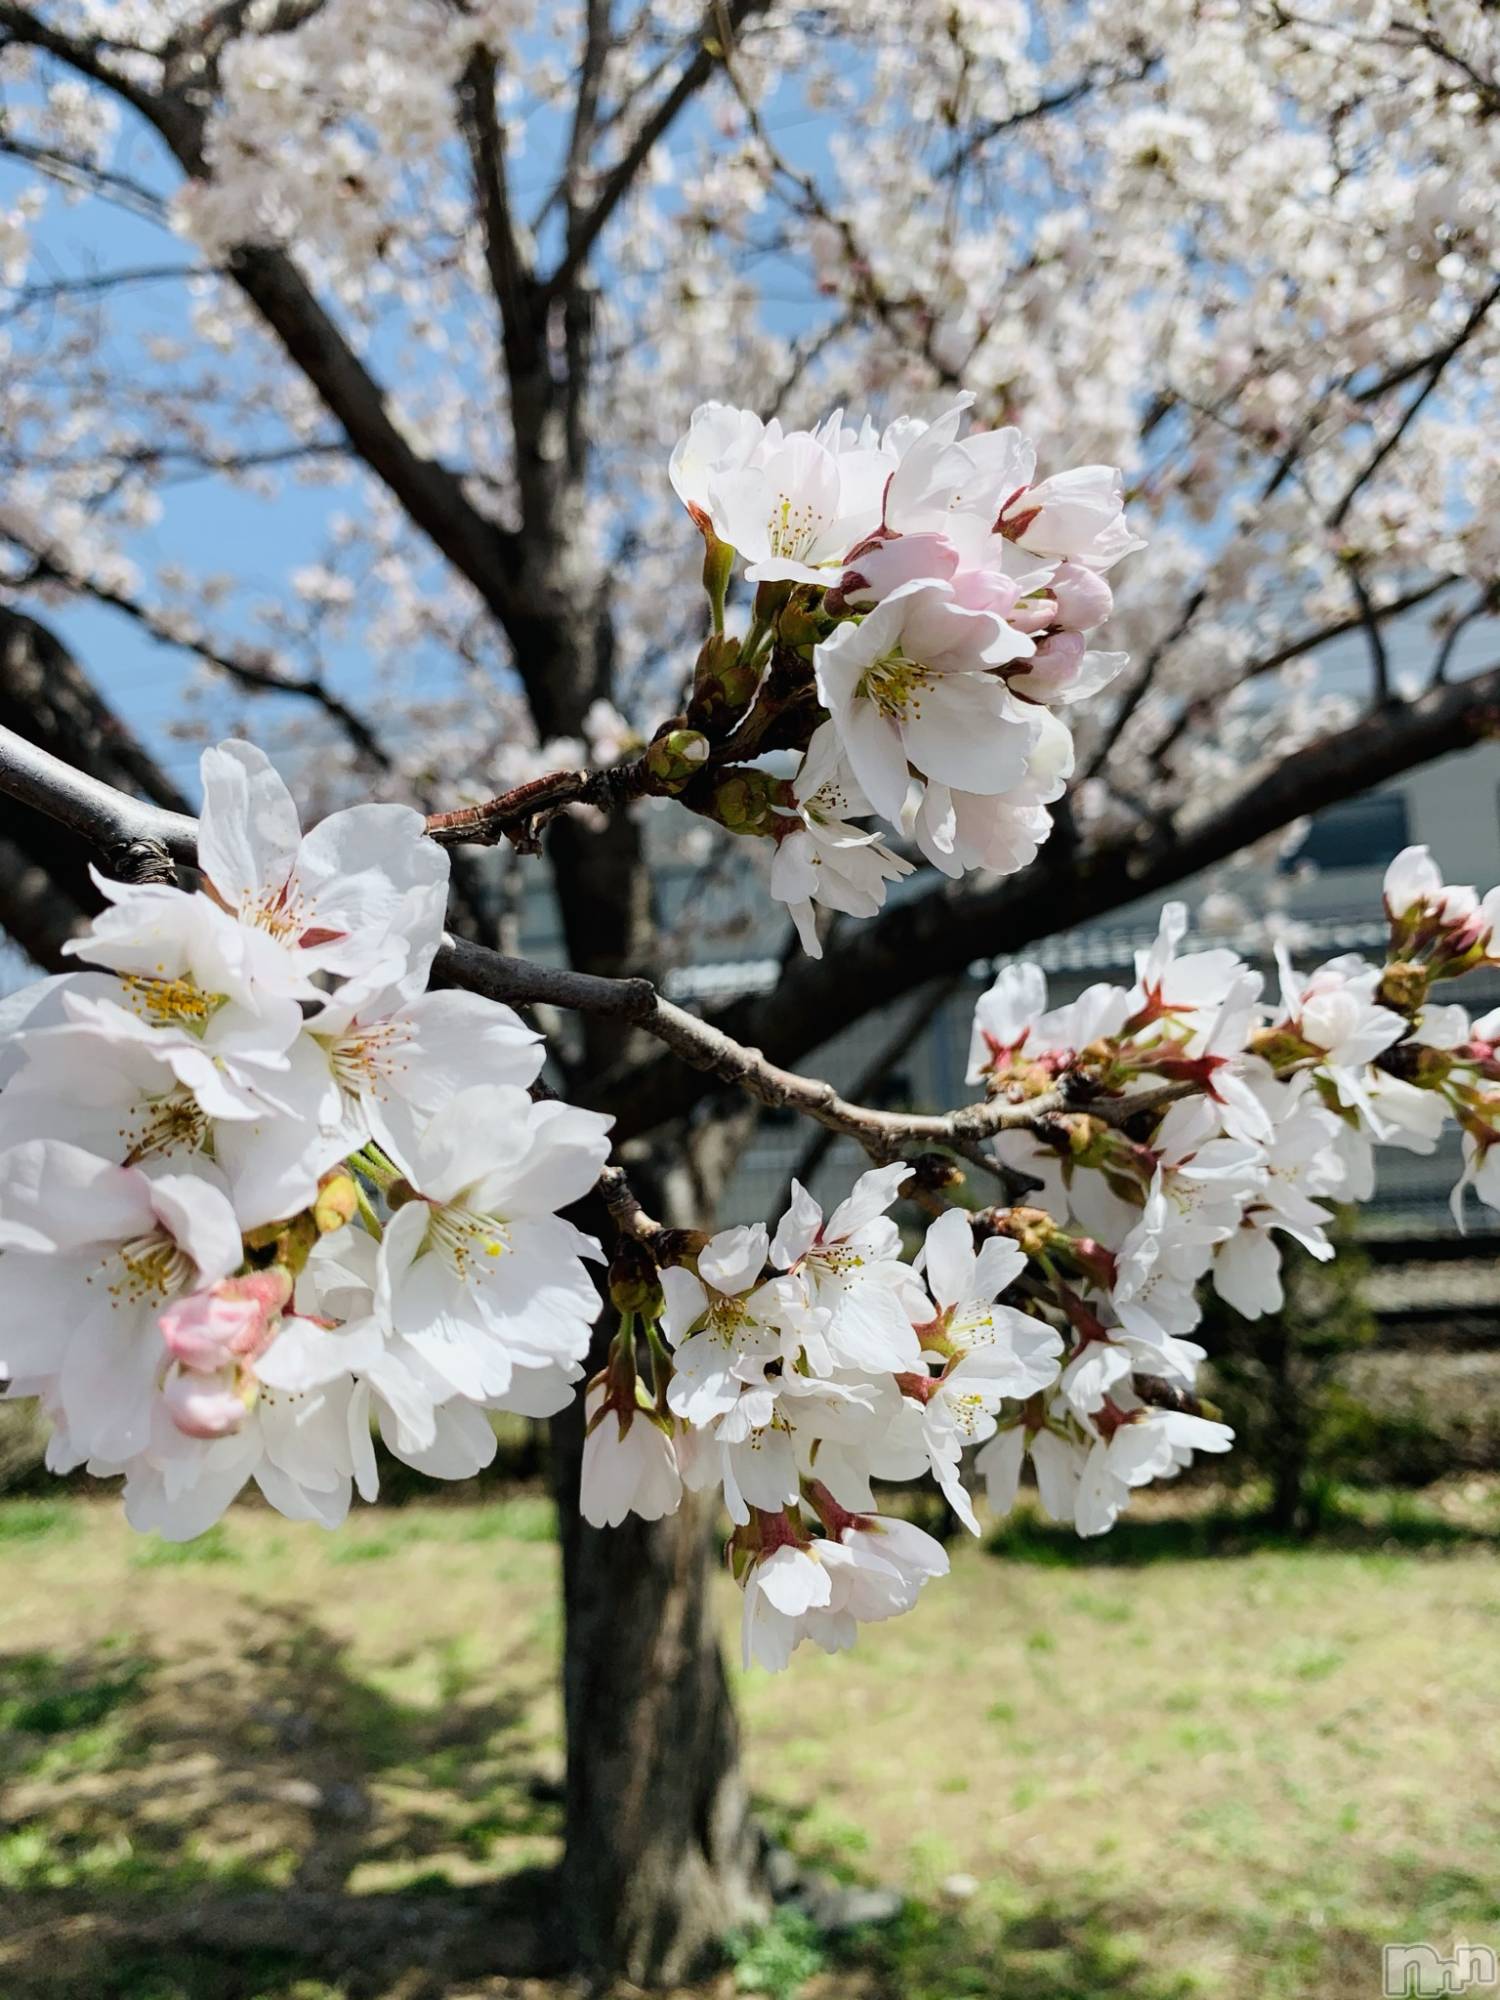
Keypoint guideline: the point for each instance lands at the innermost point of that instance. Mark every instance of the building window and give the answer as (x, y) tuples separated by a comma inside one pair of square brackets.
[(1360, 833)]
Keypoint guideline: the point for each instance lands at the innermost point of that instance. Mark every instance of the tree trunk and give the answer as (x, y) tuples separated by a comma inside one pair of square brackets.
[(662, 1857)]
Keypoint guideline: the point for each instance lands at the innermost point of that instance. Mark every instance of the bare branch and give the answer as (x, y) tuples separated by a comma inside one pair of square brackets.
[(46, 892), (523, 810), (621, 178), (870, 1078), (88, 177), (511, 277), (88, 283), (1369, 618), (1439, 357), (1096, 78), (1483, 606), (893, 313), (1435, 366), (1193, 712), (596, 47), (129, 834), (1338, 628), (884, 1135)]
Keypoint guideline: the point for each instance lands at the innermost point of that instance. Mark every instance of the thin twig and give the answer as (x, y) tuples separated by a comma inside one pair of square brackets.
[(518, 810), (588, 226), (911, 1024)]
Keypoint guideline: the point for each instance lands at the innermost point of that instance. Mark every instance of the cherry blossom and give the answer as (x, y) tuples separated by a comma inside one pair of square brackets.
[(791, 505), (93, 1252), (363, 881), (476, 1267), (851, 1266), (820, 856), (313, 1196), (909, 684)]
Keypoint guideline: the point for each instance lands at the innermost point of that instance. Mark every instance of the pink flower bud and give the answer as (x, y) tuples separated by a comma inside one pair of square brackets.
[(1084, 599), (206, 1329), (204, 1406), (988, 590), (1062, 651), (1052, 669), (234, 1320)]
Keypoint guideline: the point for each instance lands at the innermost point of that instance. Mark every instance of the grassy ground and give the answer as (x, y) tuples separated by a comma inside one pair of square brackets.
[(280, 1766)]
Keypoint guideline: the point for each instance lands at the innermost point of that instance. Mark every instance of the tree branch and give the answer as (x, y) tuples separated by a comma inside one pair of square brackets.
[(253, 674), (521, 812), (947, 929), (140, 841), (911, 1024), (1096, 77), (1484, 605), (621, 177), (87, 178), (1369, 618), (46, 892), (1435, 365), (511, 278), (137, 841), (1293, 649), (884, 1135)]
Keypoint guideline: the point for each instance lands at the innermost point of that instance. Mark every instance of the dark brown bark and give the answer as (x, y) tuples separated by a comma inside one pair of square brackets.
[(1288, 1511), (662, 1856)]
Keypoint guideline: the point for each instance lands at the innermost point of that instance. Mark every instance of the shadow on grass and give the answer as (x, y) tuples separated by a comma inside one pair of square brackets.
[(1397, 1526), (1046, 1952), (192, 1828), (928, 1953), (257, 1820), (203, 1828)]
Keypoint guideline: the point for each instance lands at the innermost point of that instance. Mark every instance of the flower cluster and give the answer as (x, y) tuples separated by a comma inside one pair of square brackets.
[(265, 1192), (1168, 1134), (923, 601), (194, 1140)]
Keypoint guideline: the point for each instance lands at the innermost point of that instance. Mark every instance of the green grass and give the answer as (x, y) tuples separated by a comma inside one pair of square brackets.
[(778, 1958), (30, 1520), (1204, 1762), (212, 1546)]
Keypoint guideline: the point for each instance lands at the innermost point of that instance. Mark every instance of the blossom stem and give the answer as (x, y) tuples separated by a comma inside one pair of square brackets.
[(369, 1161), (661, 1364), (367, 1213)]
